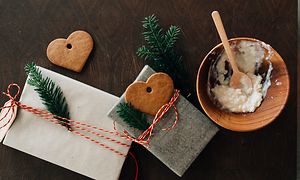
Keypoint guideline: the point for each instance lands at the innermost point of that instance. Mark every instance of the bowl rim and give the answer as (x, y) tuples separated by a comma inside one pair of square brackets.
[(219, 122)]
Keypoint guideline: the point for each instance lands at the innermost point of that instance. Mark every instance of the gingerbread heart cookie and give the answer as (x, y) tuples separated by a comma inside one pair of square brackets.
[(148, 97), (71, 53)]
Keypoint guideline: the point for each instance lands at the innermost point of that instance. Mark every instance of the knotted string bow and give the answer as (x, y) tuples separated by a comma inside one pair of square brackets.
[(10, 107)]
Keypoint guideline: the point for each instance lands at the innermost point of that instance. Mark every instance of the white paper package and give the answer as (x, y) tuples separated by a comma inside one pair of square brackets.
[(43, 139)]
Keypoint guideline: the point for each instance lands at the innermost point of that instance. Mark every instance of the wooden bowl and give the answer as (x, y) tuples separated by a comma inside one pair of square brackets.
[(270, 108)]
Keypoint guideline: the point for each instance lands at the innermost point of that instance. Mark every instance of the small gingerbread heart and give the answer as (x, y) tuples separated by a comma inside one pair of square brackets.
[(150, 96), (71, 53)]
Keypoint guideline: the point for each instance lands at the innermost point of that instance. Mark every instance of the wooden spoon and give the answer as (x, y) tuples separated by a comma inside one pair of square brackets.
[(238, 78)]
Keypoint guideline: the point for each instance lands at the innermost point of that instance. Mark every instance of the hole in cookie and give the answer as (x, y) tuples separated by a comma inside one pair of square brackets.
[(69, 46), (149, 89)]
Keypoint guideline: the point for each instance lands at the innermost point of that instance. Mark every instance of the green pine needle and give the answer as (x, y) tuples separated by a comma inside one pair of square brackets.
[(132, 117), (153, 34), (160, 52), (171, 37), (146, 53), (49, 92)]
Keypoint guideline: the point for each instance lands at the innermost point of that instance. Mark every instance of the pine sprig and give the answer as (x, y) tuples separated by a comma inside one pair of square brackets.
[(146, 53), (171, 37), (153, 35), (132, 117), (50, 94), (160, 52)]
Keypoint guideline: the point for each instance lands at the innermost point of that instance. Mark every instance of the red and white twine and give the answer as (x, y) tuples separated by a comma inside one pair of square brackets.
[(144, 138)]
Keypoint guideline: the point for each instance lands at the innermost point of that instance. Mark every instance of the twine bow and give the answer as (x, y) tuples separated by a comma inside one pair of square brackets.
[(11, 106)]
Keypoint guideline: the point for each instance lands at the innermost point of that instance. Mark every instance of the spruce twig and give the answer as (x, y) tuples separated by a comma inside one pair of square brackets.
[(50, 94), (132, 117), (160, 52)]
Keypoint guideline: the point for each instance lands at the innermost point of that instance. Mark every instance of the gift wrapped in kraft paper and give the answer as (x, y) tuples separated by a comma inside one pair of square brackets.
[(54, 143), (180, 145)]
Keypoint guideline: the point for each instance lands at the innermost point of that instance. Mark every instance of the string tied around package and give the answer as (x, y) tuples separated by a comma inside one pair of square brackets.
[(145, 137)]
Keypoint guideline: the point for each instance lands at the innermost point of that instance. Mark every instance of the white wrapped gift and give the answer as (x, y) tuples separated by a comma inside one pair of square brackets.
[(54, 143)]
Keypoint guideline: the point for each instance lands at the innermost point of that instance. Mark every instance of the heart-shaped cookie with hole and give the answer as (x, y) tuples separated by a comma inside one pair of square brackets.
[(150, 96), (71, 53)]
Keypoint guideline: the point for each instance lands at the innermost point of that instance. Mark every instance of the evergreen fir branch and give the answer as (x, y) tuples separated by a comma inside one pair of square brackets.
[(50, 94), (160, 52), (171, 37), (146, 53), (132, 117), (153, 33)]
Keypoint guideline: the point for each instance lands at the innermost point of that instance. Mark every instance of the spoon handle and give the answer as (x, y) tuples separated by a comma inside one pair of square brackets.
[(220, 28)]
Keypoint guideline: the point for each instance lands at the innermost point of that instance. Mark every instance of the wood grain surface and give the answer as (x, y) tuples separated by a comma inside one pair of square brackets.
[(28, 26), (298, 97)]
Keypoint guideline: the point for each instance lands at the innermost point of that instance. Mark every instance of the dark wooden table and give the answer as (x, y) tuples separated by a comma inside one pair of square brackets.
[(26, 28)]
